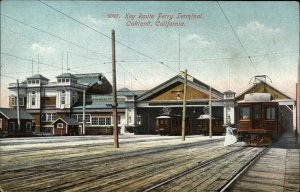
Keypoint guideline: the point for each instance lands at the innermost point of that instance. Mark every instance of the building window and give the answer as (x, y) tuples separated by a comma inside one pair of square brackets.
[(245, 113), (37, 81), (108, 121), (33, 100), (13, 101), (67, 80), (59, 80), (28, 126), (29, 82), (87, 118), (63, 80), (270, 113), (60, 125), (48, 117), (79, 118), (101, 120), (119, 120), (63, 100), (95, 121), (0, 123)]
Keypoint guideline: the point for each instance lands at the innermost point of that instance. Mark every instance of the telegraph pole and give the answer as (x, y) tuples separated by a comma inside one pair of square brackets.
[(18, 106), (83, 113), (114, 90), (210, 114), (184, 105)]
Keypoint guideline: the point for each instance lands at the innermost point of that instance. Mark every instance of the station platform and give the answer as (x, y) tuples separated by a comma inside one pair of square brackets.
[(277, 170)]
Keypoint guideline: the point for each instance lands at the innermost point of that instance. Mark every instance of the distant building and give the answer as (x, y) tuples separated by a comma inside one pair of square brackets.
[(9, 122), (167, 99), (65, 126), (46, 101)]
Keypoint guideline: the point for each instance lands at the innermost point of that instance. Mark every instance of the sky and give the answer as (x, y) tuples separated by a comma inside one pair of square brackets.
[(212, 42)]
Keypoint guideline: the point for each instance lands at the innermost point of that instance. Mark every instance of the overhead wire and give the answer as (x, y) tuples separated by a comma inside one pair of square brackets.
[(65, 40), (31, 60), (238, 38), (44, 43), (101, 33)]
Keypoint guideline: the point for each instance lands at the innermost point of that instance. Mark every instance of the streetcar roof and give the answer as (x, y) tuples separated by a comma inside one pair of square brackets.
[(257, 97)]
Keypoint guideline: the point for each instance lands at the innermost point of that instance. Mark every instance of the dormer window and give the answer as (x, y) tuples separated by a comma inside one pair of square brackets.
[(59, 80), (67, 80), (29, 82), (37, 81), (63, 80)]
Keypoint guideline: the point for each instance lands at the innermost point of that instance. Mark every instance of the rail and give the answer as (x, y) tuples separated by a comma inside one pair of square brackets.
[(200, 165)]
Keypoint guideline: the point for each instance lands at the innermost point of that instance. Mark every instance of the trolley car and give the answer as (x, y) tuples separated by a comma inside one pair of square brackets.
[(259, 119), (203, 125), (170, 125)]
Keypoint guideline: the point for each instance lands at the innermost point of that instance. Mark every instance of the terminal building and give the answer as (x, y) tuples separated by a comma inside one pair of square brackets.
[(79, 98)]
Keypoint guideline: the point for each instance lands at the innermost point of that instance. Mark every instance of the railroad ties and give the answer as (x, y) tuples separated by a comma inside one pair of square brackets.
[(277, 170), (143, 163)]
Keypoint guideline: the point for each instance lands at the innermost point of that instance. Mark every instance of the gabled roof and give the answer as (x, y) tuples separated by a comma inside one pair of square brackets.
[(229, 92), (67, 120), (88, 78), (66, 75), (38, 76), (12, 114), (238, 97), (191, 81)]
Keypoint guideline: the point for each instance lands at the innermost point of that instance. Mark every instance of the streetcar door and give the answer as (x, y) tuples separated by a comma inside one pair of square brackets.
[(257, 116)]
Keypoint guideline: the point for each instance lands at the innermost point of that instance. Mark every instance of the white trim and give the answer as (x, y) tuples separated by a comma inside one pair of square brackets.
[(60, 127), (1, 123), (4, 115)]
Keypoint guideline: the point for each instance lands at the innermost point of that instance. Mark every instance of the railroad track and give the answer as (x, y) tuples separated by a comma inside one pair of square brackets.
[(183, 167), (166, 185), (36, 176)]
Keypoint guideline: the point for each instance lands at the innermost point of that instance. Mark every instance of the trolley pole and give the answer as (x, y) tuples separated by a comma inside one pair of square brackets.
[(210, 114), (184, 105), (114, 91)]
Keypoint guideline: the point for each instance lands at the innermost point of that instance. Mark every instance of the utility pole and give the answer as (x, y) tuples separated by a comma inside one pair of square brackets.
[(210, 114), (18, 106), (184, 105), (114, 90), (0, 82), (83, 113)]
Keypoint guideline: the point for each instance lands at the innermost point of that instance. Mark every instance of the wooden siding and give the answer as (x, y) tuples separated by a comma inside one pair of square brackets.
[(60, 131), (172, 93), (5, 127)]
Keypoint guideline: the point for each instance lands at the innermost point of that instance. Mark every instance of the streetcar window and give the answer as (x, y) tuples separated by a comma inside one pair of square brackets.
[(270, 113), (256, 112), (245, 113)]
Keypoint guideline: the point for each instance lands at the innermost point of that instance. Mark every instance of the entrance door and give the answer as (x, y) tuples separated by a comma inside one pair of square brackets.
[(257, 116), (12, 127)]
